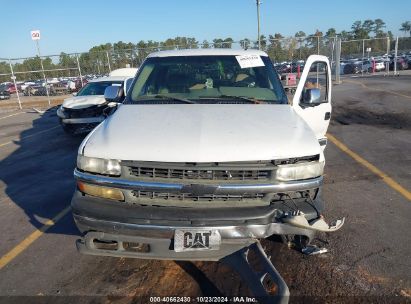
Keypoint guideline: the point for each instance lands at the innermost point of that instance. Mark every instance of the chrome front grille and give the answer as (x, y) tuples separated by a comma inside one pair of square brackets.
[(192, 197), (198, 174), (225, 171)]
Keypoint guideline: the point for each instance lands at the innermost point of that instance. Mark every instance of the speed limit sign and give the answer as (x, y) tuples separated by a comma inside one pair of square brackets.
[(35, 35)]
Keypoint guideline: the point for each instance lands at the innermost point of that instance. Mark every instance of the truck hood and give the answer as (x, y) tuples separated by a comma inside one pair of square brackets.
[(201, 133), (81, 102)]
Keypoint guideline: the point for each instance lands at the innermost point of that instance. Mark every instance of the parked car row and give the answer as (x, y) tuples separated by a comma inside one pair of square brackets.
[(289, 67), (354, 65), (376, 64), (39, 88), (8, 87), (55, 86), (4, 92)]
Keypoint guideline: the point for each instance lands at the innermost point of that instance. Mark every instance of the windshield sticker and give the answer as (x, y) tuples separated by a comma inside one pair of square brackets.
[(116, 84), (249, 61)]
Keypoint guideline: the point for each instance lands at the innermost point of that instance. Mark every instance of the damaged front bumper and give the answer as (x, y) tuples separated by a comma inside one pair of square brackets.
[(157, 241), (125, 229), (91, 115)]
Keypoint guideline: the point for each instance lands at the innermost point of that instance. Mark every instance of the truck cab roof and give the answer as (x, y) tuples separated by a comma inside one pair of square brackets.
[(207, 52)]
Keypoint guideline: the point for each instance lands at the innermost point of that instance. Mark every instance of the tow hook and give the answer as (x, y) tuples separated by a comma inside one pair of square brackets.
[(298, 219)]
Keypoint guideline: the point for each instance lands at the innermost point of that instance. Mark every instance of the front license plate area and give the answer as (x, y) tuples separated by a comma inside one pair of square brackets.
[(196, 240)]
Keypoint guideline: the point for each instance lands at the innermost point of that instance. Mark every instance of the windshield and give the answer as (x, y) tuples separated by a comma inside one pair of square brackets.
[(207, 79), (97, 88)]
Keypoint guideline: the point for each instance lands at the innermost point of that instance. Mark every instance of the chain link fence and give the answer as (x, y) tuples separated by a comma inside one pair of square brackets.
[(377, 56), (56, 76)]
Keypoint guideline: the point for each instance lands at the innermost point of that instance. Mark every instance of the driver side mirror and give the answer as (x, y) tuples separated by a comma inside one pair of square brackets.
[(311, 97), (113, 94)]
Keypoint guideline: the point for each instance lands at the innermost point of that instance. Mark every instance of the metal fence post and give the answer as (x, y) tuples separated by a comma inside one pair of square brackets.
[(318, 45), (131, 58), (108, 60), (14, 81), (337, 60), (79, 70), (44, 74), (395, 57), (387, 63), (362, 59)]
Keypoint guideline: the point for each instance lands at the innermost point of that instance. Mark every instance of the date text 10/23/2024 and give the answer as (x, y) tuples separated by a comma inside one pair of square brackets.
[(236, 299)]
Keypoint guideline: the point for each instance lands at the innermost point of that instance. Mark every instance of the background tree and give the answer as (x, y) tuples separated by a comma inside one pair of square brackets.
[(192, 43), (263, 43), (67, 62), (368, 26), (378, 28), (205, 44), (218, 43), (168, 44), (300, 36), (406, 27), (275, 49), (5, 71), (227, 43)]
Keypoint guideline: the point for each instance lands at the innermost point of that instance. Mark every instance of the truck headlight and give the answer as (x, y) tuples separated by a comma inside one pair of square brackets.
[(99, 165), (299, 171)]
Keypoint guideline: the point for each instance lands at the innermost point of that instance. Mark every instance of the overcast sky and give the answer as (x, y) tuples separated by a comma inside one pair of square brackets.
[(76, 26)]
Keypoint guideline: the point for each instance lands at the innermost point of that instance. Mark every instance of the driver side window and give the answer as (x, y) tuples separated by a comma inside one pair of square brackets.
[(317, 79)]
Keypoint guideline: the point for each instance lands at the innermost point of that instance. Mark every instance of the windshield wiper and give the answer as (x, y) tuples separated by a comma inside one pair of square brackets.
[(242, 98), (173, 98)]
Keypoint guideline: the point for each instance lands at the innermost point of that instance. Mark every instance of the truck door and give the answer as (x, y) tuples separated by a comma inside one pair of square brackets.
[(312, 99)]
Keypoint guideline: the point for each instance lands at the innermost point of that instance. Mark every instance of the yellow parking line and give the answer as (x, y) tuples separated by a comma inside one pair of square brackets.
[(37, 133), (12, 115), (12, 254), (374, 89), (386, 179)]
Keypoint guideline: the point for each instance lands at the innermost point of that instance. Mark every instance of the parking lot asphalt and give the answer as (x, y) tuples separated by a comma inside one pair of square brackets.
[(369, 259)]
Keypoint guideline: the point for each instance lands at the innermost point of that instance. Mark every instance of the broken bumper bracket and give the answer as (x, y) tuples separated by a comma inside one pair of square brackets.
[(256, 280)]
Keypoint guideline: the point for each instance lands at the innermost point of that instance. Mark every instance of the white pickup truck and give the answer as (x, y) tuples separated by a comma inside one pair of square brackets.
[(86, 109), (204, 157)]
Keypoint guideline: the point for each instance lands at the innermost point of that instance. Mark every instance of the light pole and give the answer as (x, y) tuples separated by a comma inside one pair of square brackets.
[(258, 23), (35, 35), (13, 77)]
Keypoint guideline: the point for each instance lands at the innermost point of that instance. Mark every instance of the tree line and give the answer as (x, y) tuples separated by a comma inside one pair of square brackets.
[(101, 58)]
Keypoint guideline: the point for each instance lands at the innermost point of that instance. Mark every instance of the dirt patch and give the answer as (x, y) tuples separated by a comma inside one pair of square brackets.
[(361, 116), (370, 278), (406, 293)]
